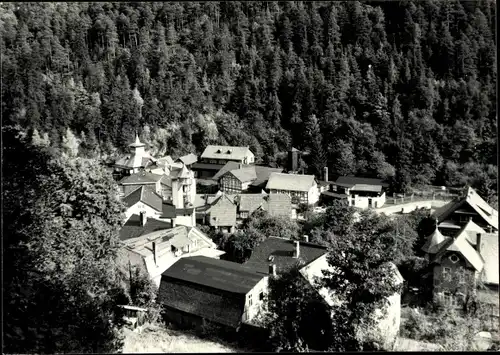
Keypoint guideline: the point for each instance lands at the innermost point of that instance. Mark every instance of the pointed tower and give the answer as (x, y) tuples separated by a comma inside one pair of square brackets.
[(137, 147), (434, 241)]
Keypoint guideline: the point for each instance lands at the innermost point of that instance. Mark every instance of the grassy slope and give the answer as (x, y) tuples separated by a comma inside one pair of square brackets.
[(157, 339)]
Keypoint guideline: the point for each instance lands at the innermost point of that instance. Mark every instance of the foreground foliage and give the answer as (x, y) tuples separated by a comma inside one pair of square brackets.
[(60, 280)]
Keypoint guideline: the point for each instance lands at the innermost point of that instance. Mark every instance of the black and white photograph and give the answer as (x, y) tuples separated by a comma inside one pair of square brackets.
[(249, 176)]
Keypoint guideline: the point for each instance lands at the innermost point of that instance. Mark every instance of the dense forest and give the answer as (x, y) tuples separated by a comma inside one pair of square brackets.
[(404, 90)]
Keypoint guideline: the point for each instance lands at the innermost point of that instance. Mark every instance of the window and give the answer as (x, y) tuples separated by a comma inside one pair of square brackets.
[(454, 258), (261, 296), (461, 275), (244, 214), (446, 273), (250, 299)]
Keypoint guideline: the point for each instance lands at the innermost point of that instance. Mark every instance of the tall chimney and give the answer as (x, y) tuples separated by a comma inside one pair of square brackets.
[(143, 218), (478, 242), (155, 255), (272, 269), (325, 173), (306, 238), (297, 250)]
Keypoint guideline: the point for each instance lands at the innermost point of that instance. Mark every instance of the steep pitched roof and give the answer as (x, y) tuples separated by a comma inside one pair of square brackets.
[(434, 242), (461, 245), (230, 165), (246, 174), (146, 195), (278, 205), (214, 273), (280, 252), (489, 253), (225, 152), (488, 213), (142, 177), (472, 229), (290, 182), (263, 173), (133, 228), (223, 212), (188, 159)]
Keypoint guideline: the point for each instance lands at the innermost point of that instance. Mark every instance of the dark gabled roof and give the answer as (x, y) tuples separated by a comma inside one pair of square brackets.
[(214, 273), (142, 177), (206, 166), (133, 228), (170, 211), (282, 252), (250, 202), (146, 195), (263, 173), (229, 166), (354, 180), (188, 159)]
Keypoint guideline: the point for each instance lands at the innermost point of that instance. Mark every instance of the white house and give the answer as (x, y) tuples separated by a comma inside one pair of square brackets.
[(357, 191), (301, 188), (143, 199)]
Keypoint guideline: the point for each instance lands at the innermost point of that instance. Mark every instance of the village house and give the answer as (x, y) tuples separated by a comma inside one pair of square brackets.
[(196, 290), (357, 191), (237, 181), (459, 262), (222, 214), (277, 205), (237, 178), (137, 160), (301, 188), (457, 213), (143, 199), (283, 254), (153, 245), (132, 182), (214, 157)]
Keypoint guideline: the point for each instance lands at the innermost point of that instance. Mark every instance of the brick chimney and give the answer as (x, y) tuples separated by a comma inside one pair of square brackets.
[(272, 269), (478, 242), (155, 254), (296, 253), (143, 218), (325, 173), (306, 238)]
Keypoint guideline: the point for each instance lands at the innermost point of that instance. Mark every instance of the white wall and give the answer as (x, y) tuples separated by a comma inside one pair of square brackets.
[(251, 311), (188, 221), (362, 201), (138, 207), (313, 194)]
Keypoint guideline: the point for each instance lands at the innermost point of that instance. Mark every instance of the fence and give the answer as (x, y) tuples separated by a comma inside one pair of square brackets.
[(398, 199)]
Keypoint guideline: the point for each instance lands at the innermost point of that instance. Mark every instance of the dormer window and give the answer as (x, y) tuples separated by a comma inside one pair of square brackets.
[(218, 151), (454, 258), (228, 151)]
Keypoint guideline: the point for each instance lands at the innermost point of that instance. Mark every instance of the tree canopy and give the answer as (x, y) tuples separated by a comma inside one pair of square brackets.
[(403, 90)]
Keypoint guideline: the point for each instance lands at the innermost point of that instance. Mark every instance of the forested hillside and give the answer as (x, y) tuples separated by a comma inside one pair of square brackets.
[(403, 89)]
